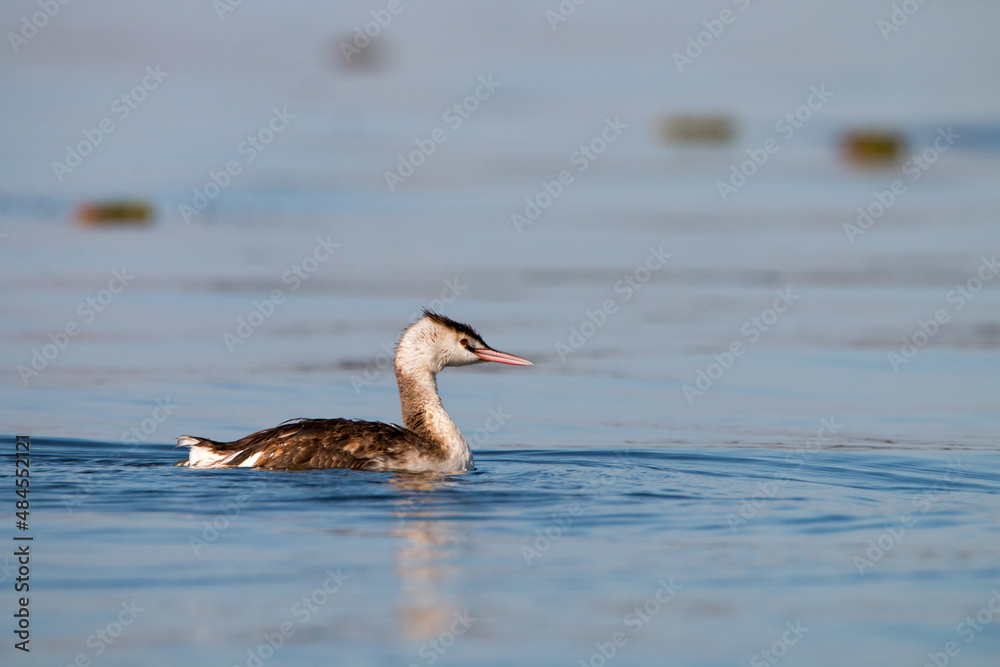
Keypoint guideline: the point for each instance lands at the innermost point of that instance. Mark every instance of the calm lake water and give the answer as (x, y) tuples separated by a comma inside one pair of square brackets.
[(752, 435)]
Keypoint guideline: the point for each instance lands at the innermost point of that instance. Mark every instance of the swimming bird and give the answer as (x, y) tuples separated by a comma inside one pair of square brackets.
[(428, 441)]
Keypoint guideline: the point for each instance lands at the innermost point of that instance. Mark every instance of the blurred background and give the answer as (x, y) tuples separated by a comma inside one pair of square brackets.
[(205, 147), (712, 225)]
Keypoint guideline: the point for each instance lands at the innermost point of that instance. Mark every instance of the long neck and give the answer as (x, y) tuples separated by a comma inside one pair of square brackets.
[(423, 412)]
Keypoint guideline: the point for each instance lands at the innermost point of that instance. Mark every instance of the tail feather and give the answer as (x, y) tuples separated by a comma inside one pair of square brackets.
[(203, 453)]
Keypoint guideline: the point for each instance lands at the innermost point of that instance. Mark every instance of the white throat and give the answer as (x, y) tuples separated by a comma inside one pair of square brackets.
[(423, 412)]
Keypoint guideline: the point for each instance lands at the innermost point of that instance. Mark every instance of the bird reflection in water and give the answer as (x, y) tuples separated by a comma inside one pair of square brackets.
[(425, 557)]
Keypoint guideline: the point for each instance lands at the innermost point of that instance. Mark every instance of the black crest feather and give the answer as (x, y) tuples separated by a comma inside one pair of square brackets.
[(464, 329)]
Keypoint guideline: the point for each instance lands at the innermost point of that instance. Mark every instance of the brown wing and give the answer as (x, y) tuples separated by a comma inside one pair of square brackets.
[(305, 444)]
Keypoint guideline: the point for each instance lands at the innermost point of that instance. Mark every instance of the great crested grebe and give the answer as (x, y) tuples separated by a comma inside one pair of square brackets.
[(430, 441)]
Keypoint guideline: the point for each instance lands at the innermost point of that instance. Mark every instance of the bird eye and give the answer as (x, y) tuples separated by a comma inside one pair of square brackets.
[(464, 342)]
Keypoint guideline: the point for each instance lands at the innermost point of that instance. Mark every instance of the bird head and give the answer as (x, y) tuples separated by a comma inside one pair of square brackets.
[(435, 342)]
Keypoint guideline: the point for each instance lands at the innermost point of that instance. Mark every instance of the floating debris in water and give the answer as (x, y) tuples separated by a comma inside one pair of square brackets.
[(359, 52), (698, 129), (114, 213), (872, 148)]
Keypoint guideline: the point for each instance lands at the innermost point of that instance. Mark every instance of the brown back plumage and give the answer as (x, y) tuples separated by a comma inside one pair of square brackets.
[(304, 444)]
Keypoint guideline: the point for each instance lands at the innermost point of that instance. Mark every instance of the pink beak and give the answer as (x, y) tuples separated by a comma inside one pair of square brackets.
[(487, 354)]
